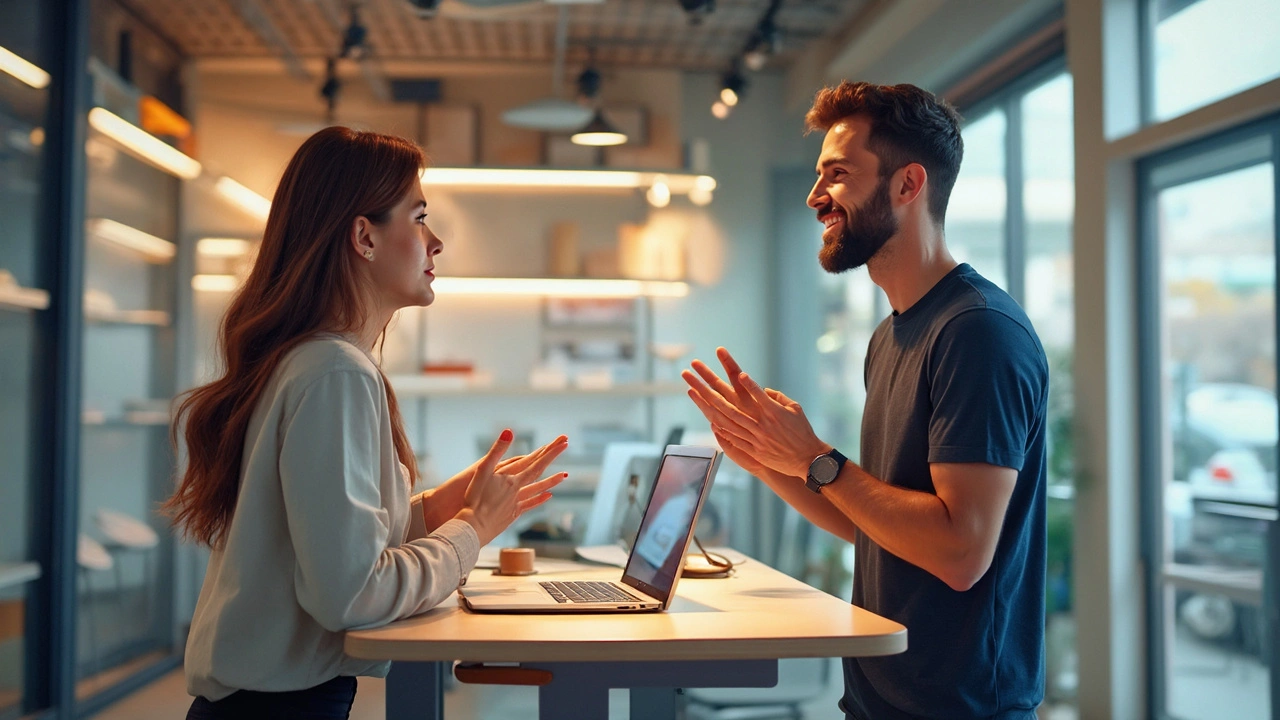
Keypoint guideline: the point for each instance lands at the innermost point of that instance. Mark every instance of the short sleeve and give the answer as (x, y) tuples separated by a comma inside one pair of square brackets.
[(988, 382)]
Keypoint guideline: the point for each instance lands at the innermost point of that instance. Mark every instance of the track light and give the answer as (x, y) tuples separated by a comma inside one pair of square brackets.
[(589, 83), (424, 9), (332, 86), (353, 37), (732, 86), (719, 110), (697, 9), (765, 41)]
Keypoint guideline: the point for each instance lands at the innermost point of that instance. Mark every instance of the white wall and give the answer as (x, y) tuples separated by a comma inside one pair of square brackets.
[(240, 117)]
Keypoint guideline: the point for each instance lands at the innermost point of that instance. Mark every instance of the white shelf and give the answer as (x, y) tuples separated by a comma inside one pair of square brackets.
[(420, 386), (22, 298), (13, 574), (158, 318)]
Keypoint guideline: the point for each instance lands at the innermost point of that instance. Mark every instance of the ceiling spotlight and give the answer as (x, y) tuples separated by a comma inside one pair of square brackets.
[(700, 196), (765, 40), (589, 83), (332, 86), (731, 87), (719, 110), (424, 9), (599, 132), (659, 194), (353, 37), (697, 9)]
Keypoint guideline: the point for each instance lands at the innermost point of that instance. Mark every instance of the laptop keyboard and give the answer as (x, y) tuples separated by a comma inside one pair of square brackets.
[(588, 592)]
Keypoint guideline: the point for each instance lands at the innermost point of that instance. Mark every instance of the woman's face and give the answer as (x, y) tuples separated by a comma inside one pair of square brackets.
[(404, 251)]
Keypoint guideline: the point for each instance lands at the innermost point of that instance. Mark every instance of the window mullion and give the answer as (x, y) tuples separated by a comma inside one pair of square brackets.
[(1015, 214)]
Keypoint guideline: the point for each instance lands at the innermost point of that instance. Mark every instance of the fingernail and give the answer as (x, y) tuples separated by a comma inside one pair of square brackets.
[(507, 435)]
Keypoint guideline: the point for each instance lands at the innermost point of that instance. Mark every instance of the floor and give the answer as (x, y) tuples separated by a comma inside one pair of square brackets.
[(167, 699)]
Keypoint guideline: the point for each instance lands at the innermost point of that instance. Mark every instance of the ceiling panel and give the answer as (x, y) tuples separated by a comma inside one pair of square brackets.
[(630, 33)]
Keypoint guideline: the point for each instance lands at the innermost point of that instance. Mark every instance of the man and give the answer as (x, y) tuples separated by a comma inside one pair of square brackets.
[(947, 510)]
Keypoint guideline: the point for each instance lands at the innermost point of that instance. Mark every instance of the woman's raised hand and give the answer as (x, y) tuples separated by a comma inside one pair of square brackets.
[(500, 491)]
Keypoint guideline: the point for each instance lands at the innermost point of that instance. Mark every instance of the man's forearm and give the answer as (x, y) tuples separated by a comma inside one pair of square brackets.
[(815, 508), (915, 526)]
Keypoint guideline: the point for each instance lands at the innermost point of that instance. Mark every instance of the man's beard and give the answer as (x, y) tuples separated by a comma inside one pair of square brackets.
[(864, 233)]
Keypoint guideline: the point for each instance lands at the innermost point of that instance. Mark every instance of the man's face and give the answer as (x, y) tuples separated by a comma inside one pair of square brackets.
[(851, 198)]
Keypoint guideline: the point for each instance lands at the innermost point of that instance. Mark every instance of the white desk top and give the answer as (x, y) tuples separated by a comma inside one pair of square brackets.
[(759, 613)]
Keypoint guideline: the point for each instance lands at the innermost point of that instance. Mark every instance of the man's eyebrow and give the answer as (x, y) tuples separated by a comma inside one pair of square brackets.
[(836, 160)]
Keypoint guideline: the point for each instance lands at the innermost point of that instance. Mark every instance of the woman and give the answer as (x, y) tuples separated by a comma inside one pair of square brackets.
[(299, 470)]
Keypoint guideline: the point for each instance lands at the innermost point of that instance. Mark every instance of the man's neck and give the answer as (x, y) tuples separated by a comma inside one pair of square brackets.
[(910, 264)]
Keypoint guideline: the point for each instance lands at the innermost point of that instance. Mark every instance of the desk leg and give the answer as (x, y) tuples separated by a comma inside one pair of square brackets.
[(416, 690), (581, 690), (653, 702)]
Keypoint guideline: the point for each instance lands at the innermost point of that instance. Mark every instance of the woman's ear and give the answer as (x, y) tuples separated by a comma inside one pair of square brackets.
[(361, 237)]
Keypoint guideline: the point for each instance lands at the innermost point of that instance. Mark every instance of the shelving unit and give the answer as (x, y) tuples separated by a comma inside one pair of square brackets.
[(14, 574), (21, 298), (158, 318), (420, 386)]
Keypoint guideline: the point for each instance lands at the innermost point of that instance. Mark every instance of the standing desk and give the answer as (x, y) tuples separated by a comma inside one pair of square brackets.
[(718, 633)]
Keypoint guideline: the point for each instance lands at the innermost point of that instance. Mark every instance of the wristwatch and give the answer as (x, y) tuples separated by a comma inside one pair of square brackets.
[(824, 469)]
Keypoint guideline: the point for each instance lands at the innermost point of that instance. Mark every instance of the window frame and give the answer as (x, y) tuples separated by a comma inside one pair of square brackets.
[(1009, 100), (1151, 402)]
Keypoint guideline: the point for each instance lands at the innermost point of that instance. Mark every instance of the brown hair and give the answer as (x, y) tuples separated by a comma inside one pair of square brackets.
[(304, 281), (908, 125)]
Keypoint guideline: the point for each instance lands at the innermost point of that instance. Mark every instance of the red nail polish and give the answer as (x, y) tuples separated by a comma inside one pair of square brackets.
[(507, 435)]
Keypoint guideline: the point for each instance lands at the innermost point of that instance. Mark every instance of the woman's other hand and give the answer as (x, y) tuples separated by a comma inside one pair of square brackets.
[(500, 491)]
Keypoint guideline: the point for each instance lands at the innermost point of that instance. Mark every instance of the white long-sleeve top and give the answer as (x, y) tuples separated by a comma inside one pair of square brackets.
[(325, 536)]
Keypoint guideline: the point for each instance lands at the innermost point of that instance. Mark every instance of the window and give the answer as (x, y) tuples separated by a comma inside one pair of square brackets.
[(1204, 50), (977, 209), (1210, 364)]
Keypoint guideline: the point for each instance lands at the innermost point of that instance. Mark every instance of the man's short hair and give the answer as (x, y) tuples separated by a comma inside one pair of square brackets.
[(908, 125)]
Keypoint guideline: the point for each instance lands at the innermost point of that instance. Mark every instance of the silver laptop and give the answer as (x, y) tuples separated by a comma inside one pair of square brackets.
[(657, 556)]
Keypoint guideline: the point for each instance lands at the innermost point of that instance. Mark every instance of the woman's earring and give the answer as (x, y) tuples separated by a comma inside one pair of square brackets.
[(368, 254)]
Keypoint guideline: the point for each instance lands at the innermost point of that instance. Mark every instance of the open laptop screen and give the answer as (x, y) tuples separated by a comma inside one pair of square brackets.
[(658, 554)]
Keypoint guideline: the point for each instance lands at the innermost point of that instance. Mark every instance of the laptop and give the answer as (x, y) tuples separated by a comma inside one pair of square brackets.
[(657, 556)]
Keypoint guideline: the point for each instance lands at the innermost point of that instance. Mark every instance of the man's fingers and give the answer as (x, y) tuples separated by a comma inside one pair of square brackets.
[(728, 411), (730, 365), (732, 393), (757, 393), (778, 397)]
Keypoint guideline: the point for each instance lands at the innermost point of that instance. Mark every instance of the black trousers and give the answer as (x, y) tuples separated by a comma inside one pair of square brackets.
[(327, 701)]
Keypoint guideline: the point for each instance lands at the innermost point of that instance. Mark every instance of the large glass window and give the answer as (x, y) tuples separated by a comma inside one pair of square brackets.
[(1212, 455), (976, 213), (1205, 50), (1048, 204)]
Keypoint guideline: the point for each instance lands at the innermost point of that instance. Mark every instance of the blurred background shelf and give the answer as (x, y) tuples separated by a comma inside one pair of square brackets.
[(158, 318), (417, 386), (22, 298), (13, 574)]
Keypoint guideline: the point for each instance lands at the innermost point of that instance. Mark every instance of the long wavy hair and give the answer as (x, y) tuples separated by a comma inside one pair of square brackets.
[(303, 282)]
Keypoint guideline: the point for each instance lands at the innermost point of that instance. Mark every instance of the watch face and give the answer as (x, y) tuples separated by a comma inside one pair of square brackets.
[(824, 469)]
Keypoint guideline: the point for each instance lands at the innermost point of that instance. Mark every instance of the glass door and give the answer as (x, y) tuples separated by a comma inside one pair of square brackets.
[(23, 102), (1211, 419)]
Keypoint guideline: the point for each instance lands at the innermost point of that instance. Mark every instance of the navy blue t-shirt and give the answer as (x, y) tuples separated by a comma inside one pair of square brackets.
[(960, 377)]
